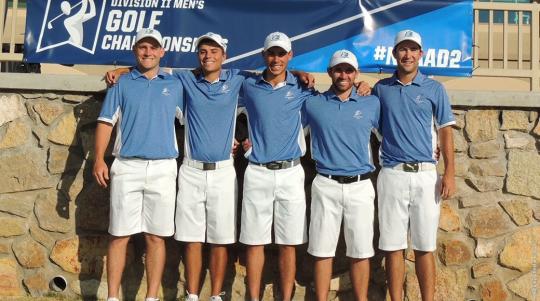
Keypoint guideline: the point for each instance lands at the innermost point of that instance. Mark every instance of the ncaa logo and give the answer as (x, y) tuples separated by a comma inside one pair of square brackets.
[(276, 37), (71, 22), (344, 54), (408, 34), (358, 114)]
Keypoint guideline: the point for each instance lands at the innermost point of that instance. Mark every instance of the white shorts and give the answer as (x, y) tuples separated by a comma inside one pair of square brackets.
[(408, 200), (276, 195), (206, 205), (142, 196), (332, 202)]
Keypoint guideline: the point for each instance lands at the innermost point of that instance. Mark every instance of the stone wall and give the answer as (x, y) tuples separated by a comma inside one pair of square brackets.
[(54, 217)]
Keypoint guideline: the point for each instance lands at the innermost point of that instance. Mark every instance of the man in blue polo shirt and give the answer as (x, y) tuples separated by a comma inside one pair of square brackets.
[(274, 178), (415, 110), (341, 122), (143, 105)]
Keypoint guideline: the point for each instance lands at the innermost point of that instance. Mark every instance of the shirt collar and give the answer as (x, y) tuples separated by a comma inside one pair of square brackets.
[(135, 73), (418, 79), (222, 77), (331, 95), (290, 79)]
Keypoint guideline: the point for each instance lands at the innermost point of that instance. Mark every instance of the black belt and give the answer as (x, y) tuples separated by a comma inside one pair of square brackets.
[(276, 165), (348, 179)]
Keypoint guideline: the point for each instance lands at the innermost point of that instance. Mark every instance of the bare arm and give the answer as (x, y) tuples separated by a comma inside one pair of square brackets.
[(305, 78), (103, 135), (92, 12), (111, 77), (448, 187)]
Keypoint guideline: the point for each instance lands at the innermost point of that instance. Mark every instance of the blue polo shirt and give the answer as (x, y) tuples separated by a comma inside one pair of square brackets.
[(274, 118), (145, 110), (410, 117), (340, 132), (210, 114)]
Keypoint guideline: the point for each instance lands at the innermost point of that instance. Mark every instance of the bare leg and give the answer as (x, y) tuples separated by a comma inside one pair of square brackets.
[(116, 260), (360, 278), (287, 270), (425, 272), (395, 272), (323, 274), (193, 266), (254, 266), (155, 262), (218, 266)]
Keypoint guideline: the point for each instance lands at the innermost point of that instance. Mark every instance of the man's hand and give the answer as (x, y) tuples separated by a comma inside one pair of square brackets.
[(101, 173), (235, 147), (448, 186), (246, 144), (112, 76), (363, 88), (305, 78)]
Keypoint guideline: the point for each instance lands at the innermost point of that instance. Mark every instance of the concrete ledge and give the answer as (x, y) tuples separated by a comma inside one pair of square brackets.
[(94, 83), (52, 82), (494, 99)]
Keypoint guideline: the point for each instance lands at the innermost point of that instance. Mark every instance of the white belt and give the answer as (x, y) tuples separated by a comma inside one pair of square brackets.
[(208, 165), (415, 167)]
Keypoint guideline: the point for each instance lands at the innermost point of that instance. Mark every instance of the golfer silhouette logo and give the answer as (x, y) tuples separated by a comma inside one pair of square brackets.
[(66, 22)]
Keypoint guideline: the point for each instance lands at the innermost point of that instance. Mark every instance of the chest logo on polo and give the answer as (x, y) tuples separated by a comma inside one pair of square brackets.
[(225, 89), (289, 95), (419, 99), (165, 92), (358, 114)]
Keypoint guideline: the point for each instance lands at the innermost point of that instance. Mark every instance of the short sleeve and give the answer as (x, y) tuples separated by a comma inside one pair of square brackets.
[(110, 110), (443, 110), (180, 101)]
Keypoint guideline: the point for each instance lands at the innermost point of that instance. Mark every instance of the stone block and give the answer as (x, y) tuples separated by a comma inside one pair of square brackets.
[(449, 219), (17, 134), (5, 248), (487, 222), (72, 185), (487, 248), (536, 130), (31, 95), (460, 144), (460, 119), (522, 286), (81, 254), (23, 171), (12, 108), (64, 133), (29, 253), (50, 96), (483, 268), (454, 252), (461, 165), (37, 284), (486, 183), (451, 284), (12, 226), (488, 167), (493, 290), (53, 212), (480, 199), (75, 98), (515, 120), (9, 278), (48, 111), (88, 112), (41, 236), (533, 116), (518, 250), (341, 282), (523, 176), (20, 204), (489, 149), (62, 159), (517, 140), (518, 210), (482, 125)]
